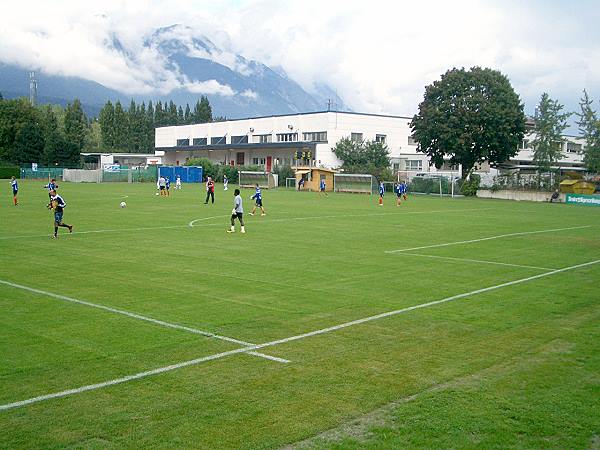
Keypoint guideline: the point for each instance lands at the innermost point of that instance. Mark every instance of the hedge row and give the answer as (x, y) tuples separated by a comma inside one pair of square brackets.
[(7, 172)]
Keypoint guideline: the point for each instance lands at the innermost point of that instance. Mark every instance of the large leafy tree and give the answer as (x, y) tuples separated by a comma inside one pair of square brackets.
[(75, 124), (550, 123), (107, 125), (21, 136), (589, 127), (469, 117)]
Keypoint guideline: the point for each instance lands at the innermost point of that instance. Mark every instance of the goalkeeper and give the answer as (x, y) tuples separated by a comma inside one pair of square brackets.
[(257, 197), (237, 212)]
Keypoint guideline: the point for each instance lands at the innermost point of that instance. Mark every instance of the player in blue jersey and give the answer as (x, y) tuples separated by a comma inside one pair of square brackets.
[(381, 193), (322, 186), (51, 186), (237, 212), (257, 197), (404, 190), (168, 185), (58, 205), (15, 190)]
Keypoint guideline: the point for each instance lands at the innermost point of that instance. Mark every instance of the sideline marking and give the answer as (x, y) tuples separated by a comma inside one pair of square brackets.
[(138, 316), (522, 233), (476, 261), (281, 341)]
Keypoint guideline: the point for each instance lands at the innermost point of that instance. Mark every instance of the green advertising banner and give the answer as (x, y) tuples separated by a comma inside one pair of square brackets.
[(580, 199)]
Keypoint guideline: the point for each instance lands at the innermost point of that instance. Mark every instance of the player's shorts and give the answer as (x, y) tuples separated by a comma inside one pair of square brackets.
[(238, 215), (58, 217), (398, 194), (322, 189), (259, 202), (162, 188), (15, 191)]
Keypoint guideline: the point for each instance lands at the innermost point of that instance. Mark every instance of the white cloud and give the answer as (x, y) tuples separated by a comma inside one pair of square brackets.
[(378, 55), (249, 94)]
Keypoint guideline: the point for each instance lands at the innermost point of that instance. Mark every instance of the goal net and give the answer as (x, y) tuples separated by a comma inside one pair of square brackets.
[(290, 183), (351, 182), (265, 180)]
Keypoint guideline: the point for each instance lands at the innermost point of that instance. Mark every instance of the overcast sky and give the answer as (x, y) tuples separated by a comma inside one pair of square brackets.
[(377, 54)]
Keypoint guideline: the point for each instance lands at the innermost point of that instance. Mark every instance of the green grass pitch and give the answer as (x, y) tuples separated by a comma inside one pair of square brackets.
[(515, 366)]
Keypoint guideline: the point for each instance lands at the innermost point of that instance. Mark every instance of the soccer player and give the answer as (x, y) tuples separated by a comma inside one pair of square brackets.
[(58, 204), (178, 182), (257, 197), (15, 188), (322, 187), (404, 190), (237, 212), (398, 190), (381, 193), (162, 185), (225, 183), (52, 186), (167, 185), (210, 190)]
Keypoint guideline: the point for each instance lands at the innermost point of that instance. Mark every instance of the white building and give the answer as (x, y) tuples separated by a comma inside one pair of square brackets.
[(276, 140)]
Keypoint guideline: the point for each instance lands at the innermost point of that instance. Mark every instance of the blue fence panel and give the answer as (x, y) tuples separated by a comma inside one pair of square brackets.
[(187, 174)]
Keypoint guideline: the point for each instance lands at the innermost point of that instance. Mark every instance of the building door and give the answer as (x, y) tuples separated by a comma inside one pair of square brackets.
[(240, 158), (269, 163)]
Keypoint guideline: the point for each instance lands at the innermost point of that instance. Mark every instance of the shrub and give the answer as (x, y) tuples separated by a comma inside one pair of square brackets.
[(7, 172), (469, 187)]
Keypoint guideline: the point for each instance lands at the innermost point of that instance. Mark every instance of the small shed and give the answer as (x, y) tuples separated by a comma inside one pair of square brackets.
[(577, 187), (312, 176)]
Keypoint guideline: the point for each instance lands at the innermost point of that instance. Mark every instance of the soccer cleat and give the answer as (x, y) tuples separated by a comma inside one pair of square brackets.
[(231, 230), (243, 230), (251, 214), (70, 228), (54, 236), (263, 214)]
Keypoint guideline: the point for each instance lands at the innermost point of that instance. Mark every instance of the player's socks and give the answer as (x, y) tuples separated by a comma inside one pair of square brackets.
[(231, 230), (243, 230)]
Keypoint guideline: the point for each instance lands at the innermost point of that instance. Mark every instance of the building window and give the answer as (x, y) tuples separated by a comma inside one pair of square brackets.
[(183, 142), (263, 138), (414, 164), (287, 137), (318, 136), (396, 167), (218, 140), (258, 161), (200, 141), (239, 139), (411, 141), (525, 144), (380, 138), (572, 147), (356, 137)]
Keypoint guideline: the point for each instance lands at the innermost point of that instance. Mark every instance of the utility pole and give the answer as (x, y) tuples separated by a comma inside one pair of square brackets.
[(33, 87)]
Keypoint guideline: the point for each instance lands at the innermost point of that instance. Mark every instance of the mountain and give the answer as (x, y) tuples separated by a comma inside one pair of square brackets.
[(235, 86)]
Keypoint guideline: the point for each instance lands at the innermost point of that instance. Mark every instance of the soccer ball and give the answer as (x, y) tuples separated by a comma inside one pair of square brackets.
[(123, 204)]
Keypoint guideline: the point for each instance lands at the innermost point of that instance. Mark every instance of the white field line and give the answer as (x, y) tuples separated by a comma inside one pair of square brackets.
[(191, 224), (286, 219), (479, 261), (284, 340), (136, 316), (489, 238)]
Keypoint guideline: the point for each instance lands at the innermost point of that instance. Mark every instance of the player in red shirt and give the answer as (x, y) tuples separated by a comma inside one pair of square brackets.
[(210, 190)]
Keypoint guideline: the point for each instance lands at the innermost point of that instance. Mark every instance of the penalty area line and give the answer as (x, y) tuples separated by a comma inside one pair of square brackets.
[(282, 341), (489, 238)]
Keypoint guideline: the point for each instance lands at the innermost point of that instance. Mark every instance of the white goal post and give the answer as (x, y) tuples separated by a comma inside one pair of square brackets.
[(265, 180), (354, 182), (290, 183)]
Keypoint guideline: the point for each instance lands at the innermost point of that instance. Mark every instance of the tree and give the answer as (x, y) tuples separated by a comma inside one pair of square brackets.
[(469, 117), (187, 116), (120, 127), (550, 124), (75, 125), (106, 119), (20, 127), (364, 157), (589, 127), (202, 111), (54, 139), (28, 145)]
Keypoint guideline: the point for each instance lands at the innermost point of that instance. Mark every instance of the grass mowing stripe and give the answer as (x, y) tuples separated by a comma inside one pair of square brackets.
[(479, 261), (137, 316), (287, 219), (284, 340), (489, 238)]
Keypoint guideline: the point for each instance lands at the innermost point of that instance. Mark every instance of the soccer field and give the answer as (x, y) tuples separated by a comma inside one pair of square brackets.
[(332, 323)]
